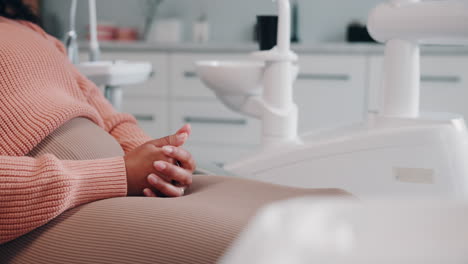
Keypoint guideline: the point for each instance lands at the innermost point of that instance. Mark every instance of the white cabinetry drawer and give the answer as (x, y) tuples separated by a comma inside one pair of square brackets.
[(444, 84), (151, 114), (184, 79), (213, 122), (330, 91), (158, 84)]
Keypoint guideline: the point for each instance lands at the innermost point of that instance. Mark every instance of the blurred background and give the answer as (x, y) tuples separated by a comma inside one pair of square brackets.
[(230, 21), (338, 83)]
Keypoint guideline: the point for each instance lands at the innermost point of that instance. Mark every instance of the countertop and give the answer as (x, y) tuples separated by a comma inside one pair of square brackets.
[(311, 48)]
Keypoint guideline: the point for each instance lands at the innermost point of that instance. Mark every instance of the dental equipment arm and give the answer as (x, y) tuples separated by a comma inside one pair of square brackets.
[(284, 26), (274, 76), (71, 43), (403, 25), (94, 52)]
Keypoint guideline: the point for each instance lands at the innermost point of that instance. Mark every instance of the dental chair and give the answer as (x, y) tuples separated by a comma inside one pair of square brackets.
[(398, 151), (304, 231), (398, 229), (198, 227)]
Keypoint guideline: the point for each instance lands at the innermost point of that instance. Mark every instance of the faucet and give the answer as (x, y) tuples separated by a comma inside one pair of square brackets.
[(71, 37)]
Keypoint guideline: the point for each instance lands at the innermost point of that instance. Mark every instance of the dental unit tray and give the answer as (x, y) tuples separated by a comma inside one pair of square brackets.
[(397, 152)]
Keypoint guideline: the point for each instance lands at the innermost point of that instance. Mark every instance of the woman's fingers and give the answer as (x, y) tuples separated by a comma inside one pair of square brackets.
[(185, 129), (164, 187), (172, 140), (178, 139), (174, 172), (149, 193), (184, 157)]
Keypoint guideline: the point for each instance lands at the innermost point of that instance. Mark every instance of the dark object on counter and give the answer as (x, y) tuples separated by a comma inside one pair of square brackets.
[(267, 31), (295, 23), (358, 33)]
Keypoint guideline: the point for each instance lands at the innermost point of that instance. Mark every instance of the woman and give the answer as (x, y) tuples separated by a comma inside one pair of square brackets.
[(63, 146)]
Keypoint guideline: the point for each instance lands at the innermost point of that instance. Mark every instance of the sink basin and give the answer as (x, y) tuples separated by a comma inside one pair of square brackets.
[(232, 77), (116, 73)]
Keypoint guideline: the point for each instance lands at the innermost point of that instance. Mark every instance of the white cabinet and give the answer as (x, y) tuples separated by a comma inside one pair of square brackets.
[(151, 113), (444, 83), (330, 91), (213, 123)]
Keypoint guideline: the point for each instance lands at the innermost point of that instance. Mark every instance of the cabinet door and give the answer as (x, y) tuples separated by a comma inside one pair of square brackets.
[(157, 85), (444, 83), (184, 80), (330, 91), (212, 122), (151, 114)]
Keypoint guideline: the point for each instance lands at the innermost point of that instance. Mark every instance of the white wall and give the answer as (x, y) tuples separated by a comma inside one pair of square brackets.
[(231, 20)]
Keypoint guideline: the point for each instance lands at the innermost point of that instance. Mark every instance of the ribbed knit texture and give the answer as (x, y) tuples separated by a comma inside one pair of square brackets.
[(78, 139), (194, 229), (40, 91)]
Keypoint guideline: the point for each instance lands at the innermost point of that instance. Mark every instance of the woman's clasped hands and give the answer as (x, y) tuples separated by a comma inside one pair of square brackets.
[(160, 168)]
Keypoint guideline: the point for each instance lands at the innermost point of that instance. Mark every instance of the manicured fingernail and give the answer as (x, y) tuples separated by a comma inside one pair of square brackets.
[(152, 179), (146, 192), (159, 165), (182, 136), (168, 149)]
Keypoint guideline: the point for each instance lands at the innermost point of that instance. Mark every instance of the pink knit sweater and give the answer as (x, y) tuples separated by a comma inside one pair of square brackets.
[(39, 91)]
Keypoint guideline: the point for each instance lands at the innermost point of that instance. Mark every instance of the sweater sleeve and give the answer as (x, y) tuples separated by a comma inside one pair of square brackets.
[(123, 127), (33, 191)]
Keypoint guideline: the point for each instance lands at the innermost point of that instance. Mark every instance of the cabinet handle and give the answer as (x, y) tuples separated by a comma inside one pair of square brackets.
[(190, 74), (440, 79), (215, 121), (324, 77), (145, 118)]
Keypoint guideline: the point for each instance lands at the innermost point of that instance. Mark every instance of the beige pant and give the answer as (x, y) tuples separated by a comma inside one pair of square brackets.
[(196, 228)]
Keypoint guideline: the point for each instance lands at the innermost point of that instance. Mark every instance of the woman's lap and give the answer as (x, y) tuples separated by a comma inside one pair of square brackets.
[(196, 228)]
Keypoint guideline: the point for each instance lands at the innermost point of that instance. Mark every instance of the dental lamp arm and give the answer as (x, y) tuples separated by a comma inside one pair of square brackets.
[(403, 25), (427, 22)]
